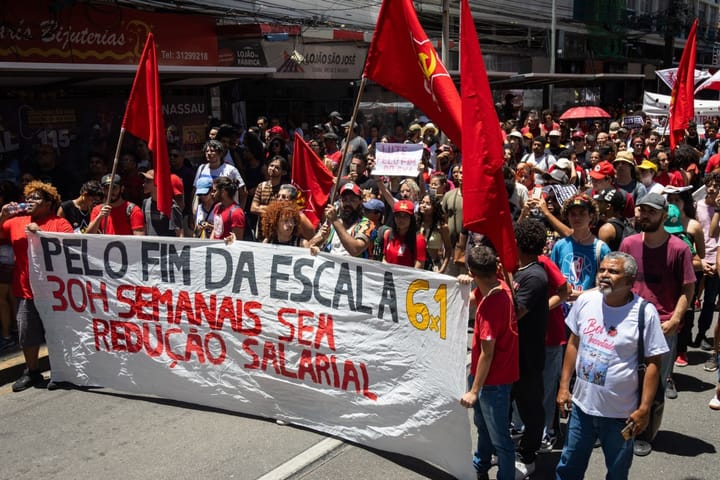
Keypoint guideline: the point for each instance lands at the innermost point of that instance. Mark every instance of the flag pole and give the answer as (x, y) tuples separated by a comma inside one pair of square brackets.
[(115, 163), (363, 81)]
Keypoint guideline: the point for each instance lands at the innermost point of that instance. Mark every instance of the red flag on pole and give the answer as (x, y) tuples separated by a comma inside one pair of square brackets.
[(144, 119), (402, 59), (312, 179), (682, 99), (486, 208)]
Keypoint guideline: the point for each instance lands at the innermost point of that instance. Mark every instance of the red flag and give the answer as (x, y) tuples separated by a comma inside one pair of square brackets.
[(144, 119), (486, 208), (682, 99), (402, 59), (312, 179)]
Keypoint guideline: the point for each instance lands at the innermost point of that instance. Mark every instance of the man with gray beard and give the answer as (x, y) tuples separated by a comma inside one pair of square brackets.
[(346, 230), (603, 351)]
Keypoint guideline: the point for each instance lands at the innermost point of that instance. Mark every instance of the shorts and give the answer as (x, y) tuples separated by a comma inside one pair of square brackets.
[(31, 332), (6, 273)]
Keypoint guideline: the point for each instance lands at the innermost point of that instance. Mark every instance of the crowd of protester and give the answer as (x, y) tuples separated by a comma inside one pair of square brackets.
[(578, 194)]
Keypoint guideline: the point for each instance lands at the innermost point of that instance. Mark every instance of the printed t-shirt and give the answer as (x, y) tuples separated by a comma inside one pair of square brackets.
[(397, 253), (579, 263), (606, 365), (555, 333), (495, 320), (118, 223), (662, 271), (14, 231), (225, 219)]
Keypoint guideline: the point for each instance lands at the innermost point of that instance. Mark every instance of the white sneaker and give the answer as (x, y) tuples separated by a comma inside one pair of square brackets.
[(523, 470), (714, 403)]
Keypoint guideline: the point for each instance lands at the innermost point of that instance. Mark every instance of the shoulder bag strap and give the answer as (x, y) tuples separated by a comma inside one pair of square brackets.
[(642, 366)]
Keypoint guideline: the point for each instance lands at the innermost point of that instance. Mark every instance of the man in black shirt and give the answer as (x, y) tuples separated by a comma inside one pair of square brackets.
[(77, 211), (531, 294)]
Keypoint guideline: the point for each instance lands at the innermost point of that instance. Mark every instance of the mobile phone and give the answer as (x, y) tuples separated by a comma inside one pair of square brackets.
[(537, 194), (627, 432)]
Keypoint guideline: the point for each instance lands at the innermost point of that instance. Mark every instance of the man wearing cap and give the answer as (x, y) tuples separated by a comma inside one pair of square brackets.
[(413, 134), (582, 154), (602, 176), (332, 152), (333, 124), (611, 203), (540, 159), (374, 210), (156, 223), (665, 278), (625, 175), (203, 214), (347, 231), (120, 216), (554, 146)]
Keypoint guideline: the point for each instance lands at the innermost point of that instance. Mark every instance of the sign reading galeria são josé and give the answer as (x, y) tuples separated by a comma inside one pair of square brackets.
[(368, 352)]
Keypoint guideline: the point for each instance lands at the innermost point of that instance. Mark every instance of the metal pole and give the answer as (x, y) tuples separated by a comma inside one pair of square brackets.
[(445, 54)]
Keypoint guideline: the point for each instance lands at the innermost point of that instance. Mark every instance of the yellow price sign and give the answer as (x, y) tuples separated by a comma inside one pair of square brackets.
[(419, 313)]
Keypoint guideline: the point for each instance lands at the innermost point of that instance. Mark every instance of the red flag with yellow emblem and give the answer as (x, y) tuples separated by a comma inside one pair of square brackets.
[(402, 59)]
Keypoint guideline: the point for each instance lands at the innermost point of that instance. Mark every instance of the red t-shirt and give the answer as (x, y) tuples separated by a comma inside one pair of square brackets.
[(495, 320), (675, 179), (119, 222), (225, 219), (662, 271), (713, 163), (14, 230), (397, 253), (555, 334)]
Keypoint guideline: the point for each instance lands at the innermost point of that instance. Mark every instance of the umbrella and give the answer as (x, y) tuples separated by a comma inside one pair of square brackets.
[(576, 113)]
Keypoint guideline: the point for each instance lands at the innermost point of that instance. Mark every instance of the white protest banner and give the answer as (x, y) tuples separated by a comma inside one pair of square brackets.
[(368, 352), (397, 159), (656, 106)]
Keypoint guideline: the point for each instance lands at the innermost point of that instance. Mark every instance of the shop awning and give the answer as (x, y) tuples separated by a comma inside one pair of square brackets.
[(539, 80), (29, 74)]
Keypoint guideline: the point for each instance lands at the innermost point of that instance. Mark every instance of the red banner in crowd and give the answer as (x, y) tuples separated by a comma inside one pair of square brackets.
[(44, 31), (486, 206), (402, 59)]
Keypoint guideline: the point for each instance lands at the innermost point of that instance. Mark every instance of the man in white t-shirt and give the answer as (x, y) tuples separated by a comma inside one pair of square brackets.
[(215, 168), (603, 351)]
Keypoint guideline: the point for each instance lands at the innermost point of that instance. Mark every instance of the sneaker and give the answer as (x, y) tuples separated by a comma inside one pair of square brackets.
[(706, 345), (547, 444), (523, 470), (642, 448), (7, 343), (711, 364), (670, 390), (516, 433), (27, 380), (681, 360), (714, 403)]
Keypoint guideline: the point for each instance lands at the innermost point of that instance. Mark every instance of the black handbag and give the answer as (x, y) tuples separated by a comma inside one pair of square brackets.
[(658, 404)]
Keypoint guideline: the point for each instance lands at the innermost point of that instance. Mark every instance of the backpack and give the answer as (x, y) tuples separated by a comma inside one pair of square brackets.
[(623, 229)]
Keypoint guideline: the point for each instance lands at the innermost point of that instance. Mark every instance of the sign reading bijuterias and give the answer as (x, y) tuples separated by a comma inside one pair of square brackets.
[(369, 352)]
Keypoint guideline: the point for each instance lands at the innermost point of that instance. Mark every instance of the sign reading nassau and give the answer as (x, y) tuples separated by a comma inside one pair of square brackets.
[(369, 352)]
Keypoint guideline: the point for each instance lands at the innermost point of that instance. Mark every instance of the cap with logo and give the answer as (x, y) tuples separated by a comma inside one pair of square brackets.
[(554, 133), (110, 180), (602, 170), (611, 196), (352, 188), (578, 134), (404, 206), (673, 224)]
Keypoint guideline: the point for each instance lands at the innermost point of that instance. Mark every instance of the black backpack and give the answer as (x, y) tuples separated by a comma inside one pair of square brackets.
[(623, 229)]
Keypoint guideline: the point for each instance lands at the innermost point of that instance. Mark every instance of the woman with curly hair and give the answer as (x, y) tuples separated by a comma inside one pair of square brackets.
[(280, 224), (436, 232)]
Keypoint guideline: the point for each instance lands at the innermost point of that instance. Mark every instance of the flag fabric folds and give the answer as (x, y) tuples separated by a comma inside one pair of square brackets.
[(312, 179), (710, 83), (682, 99), (144, 119), (403, 60), (486, 208)]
